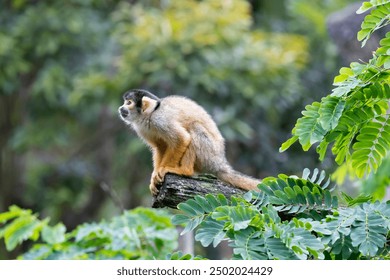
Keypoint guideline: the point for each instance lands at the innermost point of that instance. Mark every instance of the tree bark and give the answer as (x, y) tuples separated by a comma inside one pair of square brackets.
[(176, 189)]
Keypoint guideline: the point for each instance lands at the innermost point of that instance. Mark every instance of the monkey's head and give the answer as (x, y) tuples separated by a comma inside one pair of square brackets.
[(138, 103)]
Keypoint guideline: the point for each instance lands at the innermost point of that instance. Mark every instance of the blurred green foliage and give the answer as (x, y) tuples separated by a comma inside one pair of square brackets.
[(47, 45), (310, 19), (65, 65), (137, 234)]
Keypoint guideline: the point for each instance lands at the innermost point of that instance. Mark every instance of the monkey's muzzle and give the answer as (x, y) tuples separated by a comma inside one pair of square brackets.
[(123, 111)]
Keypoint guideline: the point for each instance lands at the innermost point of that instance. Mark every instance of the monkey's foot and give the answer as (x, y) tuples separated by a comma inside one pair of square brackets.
[(162, 171), (155, 180), (159, 175), (158, 178), (153, 189)]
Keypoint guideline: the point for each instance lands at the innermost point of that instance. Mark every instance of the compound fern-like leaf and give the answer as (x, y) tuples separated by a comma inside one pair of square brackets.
[(296, 195), (378, 18), (371, 4), (194, 210), (330, 111), (369, 232), (210, 232), (248, 245), (277, 250), (308, 128), (372, 146)]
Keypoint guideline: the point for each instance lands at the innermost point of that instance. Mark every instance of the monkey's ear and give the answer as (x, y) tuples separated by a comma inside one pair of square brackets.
[(148, 105)]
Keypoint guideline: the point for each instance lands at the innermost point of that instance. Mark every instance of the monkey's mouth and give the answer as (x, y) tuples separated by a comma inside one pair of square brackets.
[(123, 112)]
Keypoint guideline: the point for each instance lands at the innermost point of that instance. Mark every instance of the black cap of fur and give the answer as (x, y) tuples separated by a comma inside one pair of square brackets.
[(136, 96)]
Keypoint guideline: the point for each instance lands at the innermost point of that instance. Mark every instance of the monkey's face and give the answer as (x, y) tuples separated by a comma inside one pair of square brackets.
[(126, 111), (137, 104)]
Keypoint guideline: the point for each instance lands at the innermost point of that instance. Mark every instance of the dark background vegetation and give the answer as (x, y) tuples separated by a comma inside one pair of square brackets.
[(64, 66)]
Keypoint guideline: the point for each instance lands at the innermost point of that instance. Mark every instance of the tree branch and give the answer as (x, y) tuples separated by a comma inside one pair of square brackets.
[(176, 189)]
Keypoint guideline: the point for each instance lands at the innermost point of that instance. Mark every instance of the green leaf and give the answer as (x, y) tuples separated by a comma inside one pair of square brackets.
[(346, 87), (330, 111), (304, 243), (345, 73), (369, 5), (314, 175), (86, 230), (288, 143), (194, 205), (13, 212), (365, 7), (180, 219), (54, 235), (327, 199), (20, 230), (192, 223), (308, 128), (346, 197), (359, 200), (239, 216), (306, 173), (249, 245), (277, 250), (196, 209), (369, 151), (204, 204), (37, 252), (211, 231), (369, 233), (290, 193), (378, 18)]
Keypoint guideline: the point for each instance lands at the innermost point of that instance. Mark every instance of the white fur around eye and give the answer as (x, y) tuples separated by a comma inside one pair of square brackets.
[(129, 104)]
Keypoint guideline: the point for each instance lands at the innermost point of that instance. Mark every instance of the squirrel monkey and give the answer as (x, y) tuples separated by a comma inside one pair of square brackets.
[(182, 136)]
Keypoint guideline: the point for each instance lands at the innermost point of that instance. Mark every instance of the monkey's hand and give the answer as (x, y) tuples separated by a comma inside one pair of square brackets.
[(159, 175), (157, 179)]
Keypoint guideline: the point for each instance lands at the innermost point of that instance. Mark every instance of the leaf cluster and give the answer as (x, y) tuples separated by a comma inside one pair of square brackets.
[(137, 234), (378, 18), (354, 119), (290, 218)]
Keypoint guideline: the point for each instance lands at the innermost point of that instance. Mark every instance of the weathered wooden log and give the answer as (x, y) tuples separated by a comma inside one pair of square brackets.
[(176, 189)]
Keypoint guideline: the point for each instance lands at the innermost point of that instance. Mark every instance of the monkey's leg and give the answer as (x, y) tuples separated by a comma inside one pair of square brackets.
[(177, 143), (178, 158), (186, 168), (158, 151)]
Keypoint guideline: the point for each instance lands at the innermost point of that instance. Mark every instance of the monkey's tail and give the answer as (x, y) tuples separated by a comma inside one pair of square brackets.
[(237, 179)]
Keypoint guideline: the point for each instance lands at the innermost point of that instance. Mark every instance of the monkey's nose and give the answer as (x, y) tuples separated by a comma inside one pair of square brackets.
[(123, 111)]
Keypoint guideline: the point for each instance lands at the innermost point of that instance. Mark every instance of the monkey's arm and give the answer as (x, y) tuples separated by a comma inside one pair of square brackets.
[(158, 150), (171, 154), (177, 158)]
